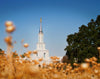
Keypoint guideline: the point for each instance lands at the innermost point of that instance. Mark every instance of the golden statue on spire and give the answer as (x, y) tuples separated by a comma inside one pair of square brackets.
[(40, 20)]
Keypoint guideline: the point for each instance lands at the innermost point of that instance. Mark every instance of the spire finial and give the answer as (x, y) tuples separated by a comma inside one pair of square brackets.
[(40, 25), (40, 20)]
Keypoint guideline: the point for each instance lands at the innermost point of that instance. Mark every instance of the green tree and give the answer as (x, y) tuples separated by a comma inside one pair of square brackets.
[(0, 49), (84, 44), (2, 52)]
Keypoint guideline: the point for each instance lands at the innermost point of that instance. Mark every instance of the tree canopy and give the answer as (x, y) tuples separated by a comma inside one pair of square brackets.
[(84, 43)]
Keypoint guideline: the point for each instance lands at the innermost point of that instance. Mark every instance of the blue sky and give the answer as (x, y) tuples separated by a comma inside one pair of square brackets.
[(59, 19)]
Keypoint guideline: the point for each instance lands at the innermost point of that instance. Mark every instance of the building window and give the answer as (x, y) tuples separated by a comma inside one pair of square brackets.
[(44, 55), (37, 54)]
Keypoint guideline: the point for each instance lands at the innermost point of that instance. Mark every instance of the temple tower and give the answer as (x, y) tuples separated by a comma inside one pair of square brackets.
[(42, 52)]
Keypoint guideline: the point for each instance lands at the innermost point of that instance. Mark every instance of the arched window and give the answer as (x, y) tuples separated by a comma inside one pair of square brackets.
[(37, 54), (44, 55)]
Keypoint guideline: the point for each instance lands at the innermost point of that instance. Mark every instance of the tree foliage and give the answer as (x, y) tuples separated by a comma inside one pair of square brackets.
[(84, 44)]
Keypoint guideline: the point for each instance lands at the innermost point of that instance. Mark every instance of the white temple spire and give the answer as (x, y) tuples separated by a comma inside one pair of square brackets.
[(42, 52)]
